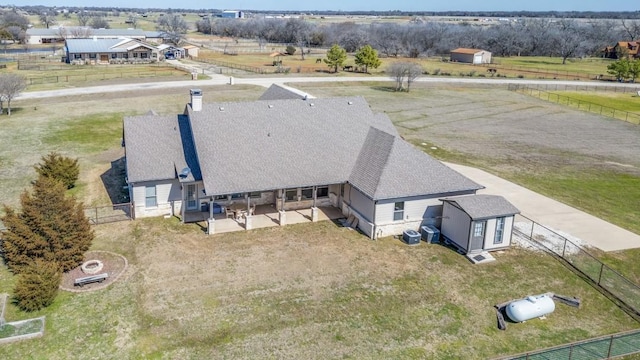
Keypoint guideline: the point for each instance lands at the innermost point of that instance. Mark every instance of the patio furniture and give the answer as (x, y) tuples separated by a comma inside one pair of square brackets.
[(252, 210), (229, 212)]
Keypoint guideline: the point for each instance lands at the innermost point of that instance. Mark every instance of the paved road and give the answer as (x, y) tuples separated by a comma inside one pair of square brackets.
[(267, 81), (546, 211), (554, 214)]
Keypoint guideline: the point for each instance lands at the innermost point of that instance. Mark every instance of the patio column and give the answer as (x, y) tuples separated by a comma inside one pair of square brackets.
[(314, 209), (211, 209), (282, 215), (248, 220), (211, 226)]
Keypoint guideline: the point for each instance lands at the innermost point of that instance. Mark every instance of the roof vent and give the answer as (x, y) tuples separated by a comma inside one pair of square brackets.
[(306, 97), (350, 102), (311, 104), (184, 173), (270, 106), (221, 108)]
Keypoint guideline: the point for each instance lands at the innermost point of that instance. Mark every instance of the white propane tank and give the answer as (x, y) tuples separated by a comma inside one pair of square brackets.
[(530, 307)]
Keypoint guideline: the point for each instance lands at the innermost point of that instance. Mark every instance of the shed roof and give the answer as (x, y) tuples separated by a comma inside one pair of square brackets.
[(467, 51), (103, 45), (482, 206)]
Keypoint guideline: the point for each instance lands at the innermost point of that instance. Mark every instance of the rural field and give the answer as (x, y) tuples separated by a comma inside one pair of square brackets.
[(320, 290)]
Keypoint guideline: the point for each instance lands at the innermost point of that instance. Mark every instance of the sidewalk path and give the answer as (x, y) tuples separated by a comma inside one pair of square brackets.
[(554, 214)]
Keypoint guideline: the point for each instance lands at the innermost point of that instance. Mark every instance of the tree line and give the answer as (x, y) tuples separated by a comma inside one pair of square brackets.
[(565, 38)]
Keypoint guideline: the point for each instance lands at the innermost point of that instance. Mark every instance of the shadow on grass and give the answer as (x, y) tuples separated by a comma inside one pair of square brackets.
[(114, 182), (384, 88)]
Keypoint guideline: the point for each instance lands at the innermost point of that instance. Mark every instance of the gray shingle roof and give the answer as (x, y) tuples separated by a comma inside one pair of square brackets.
[(260, 145), (480, 207), (153, 147), (264, 145), (389, 167), (277, 92)]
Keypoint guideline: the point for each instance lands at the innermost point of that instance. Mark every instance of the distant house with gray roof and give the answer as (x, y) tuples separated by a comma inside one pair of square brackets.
[(287, 154), (59, 34), (106, 51)]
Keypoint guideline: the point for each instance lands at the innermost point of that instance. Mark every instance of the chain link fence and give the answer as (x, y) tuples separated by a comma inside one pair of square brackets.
[(110, 213)]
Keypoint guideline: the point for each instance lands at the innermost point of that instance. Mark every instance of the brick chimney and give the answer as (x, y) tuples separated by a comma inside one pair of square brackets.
[(196, 99)]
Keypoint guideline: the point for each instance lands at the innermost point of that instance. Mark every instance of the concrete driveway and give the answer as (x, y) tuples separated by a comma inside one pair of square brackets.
[(554, 214)]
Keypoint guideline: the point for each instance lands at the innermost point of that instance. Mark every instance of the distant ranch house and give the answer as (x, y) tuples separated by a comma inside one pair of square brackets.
[(471, 56), (109, 51), (60, 34), (630, 49)]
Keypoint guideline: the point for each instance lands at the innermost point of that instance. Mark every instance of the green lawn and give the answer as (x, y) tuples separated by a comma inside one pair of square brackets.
[(620, 101), (592, 66)]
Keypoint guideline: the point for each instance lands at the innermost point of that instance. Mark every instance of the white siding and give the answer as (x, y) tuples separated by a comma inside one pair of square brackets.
[(456, 225), (360, 203), (426, 210), (168, 195), (506, 237)]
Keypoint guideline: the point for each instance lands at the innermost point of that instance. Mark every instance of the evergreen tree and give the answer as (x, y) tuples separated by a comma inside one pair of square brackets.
[(51, 227), (60, 168), (367, 57), (336, 56), (37, 285)]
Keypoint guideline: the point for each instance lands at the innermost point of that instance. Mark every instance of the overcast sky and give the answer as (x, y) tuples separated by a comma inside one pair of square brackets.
[(349, 5)]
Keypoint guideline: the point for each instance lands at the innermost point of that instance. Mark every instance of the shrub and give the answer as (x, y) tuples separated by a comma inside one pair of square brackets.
[(436, 72), (37, 286), (60, 168), (51, 227), (471, 73), (290, 50)]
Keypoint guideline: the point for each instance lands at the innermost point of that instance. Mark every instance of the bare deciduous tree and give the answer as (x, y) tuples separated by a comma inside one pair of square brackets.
[(400, 70), (11, 85), (48, 17), (84, 17), (173, 26)]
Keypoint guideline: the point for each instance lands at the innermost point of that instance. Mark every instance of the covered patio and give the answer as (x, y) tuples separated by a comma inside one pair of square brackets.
[(264, 216)]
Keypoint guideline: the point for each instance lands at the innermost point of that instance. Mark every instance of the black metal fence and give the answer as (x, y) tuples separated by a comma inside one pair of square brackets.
[(536, 91), (609, 281), (605, 347), (110, 213)]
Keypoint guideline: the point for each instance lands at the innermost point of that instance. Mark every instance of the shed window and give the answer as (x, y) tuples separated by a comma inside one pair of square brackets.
[(322, 192), (398, 211), (237, 196), (499, 231), (144, 55), (92, 56), (151, 199), (478, 229), (77, 56), (291, 195), (114, 55), (221, 197)]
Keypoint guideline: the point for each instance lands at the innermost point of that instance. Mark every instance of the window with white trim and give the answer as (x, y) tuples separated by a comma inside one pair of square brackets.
[(150, 199), (478, 229), (221, 197), (398, 211), (498, 238)]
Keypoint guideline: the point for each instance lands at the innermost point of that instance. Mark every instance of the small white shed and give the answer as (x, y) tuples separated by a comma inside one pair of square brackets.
[(471, 56), (477, 223)]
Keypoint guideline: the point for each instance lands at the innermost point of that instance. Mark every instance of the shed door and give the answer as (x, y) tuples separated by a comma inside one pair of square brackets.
[(477, 235), (104, 58), (477, 59)]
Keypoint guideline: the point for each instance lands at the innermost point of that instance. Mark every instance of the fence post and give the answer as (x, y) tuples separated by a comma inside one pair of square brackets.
[(570, 351), (532, 225), (610, 346), (600, 275)]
